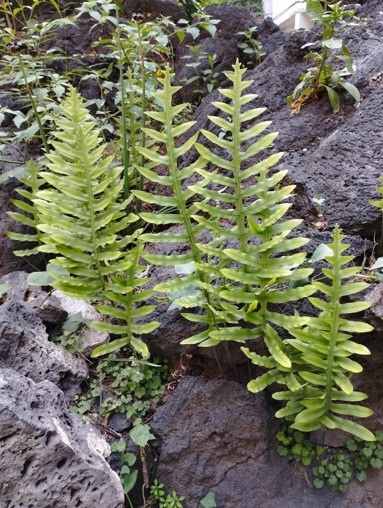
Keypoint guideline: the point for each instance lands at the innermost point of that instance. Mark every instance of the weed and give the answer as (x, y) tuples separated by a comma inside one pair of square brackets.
[(164, 500), (250, 46), (327, 73)]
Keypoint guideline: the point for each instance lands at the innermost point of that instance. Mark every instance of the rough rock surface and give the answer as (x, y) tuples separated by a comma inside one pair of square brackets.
[(223, 46), (217, 437), (24, 347), (335, 155), (48, 457)]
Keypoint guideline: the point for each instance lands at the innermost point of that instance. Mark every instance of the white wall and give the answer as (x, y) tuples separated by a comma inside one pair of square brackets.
[(288, 14)]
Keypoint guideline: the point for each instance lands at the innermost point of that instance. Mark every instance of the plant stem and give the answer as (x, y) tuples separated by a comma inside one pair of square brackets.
[(124, 140), (34, 106), (143, 108)]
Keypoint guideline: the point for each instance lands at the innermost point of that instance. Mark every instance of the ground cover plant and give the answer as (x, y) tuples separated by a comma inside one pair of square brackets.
[(241, 258)]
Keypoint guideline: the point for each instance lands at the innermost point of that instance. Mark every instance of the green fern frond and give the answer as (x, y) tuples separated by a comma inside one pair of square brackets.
[(32, 219), (177, 195), (83, 219), (80, 213), (325, 348), (125, 295), (243, 206)]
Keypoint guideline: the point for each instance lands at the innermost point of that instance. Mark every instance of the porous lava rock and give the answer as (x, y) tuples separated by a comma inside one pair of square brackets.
[(48, 456), (222, 48), (24, 347)]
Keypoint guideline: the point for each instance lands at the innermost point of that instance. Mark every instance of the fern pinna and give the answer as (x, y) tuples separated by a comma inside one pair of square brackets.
[(83, 217), (324, 349)]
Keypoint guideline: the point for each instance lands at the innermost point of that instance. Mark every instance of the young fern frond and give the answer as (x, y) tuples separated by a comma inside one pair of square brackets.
[(178, 197), (32, 220), (82, 216), (80, 213), (245, 208), (325, 347)]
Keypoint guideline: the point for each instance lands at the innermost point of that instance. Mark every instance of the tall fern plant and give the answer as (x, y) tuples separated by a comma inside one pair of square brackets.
[(82, 216), (324, 347), (243, 207), (175, 195)]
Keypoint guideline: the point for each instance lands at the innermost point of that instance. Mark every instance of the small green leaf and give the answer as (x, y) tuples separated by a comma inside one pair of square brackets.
[(141, 435), (209, 501)]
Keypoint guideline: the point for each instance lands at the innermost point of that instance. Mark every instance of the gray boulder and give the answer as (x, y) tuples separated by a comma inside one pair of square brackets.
[(48, 457), (24, 347), (216, 437)]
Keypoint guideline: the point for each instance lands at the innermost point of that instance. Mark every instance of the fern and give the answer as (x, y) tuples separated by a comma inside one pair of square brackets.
[(82, 218), (245, 209), (125, 296), (80, 212), (175, 196), (324, 348), (33, 182)]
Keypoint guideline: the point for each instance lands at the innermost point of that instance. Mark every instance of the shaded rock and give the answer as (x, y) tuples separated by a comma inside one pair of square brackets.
[(24, 347), (217, 437), (223, 47), (334, 155), (34, 298), (119, 423), (48, 457)]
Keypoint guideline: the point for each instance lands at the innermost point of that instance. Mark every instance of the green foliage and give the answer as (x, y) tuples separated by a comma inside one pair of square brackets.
[(176, 196), (164, 500), (250, 46), (209, 501), (253, 6), (244, 211), (203, 64), (335, 472), (327, 74), (80, 212), (294, 445), (69, 337), (127, 474), (26, 75), (83, 218), (33, 181), (324, 350), (122, 385), (331, 467)]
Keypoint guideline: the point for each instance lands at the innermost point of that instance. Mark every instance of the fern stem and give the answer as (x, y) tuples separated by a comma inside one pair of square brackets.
[(236, 151), (143, 108), (92, 211), (335, 319), (124, 141), (182, 207), (34, 106)]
